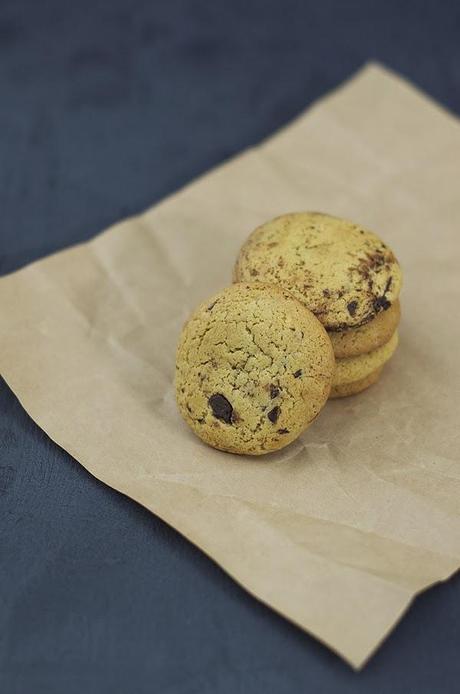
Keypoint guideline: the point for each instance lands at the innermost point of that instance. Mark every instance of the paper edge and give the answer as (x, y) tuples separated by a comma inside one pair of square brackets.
[(367, 69)]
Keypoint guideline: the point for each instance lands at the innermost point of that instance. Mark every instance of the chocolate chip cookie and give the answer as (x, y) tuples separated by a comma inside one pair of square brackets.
[(345, 274), (254, 368), (341, 271)]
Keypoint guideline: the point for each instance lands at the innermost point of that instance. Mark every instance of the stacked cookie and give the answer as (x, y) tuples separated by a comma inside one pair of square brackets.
[(345, 275), (312, 314)]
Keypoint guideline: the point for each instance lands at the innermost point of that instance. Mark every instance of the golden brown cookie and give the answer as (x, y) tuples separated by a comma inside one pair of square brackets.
[(254, 367), (356, 368), (370, 336), (342, 272), (355, 387)]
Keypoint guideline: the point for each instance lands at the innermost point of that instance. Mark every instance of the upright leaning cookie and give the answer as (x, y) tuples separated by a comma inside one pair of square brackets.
[(345, 274), (254, 368)]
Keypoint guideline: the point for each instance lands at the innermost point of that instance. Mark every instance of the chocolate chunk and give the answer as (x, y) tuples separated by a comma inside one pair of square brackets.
[(283, 431), (221, 408), (381, 303), (211, 306), (274, 414), (388, 285), (297, 373), (352, 306), (274, 391), (375, 260)]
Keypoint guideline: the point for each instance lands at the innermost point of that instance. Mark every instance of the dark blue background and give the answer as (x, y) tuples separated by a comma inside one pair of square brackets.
[(106, 107)]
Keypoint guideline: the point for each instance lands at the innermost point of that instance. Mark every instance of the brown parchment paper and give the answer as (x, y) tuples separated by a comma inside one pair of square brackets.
[(342, 529)]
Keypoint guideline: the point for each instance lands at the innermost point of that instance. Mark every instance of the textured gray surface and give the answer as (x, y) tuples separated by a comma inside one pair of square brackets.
[(105, 108)]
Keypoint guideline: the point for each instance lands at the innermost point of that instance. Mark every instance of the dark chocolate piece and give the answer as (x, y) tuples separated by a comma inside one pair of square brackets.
[(274, 391), (381, 303), (352, 306), (274, 414), (221, 408)]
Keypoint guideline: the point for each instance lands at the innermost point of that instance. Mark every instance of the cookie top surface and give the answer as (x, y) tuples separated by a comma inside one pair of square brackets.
[(342, 272), (254, 367)]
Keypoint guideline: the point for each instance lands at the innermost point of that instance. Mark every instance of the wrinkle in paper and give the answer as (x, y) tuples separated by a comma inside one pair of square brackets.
[(342, 529)]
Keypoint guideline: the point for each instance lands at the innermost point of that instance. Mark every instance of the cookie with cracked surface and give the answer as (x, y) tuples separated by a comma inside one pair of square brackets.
[(353, 369), (254, 367), (342, 272), (355, 387), (366, 338)]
